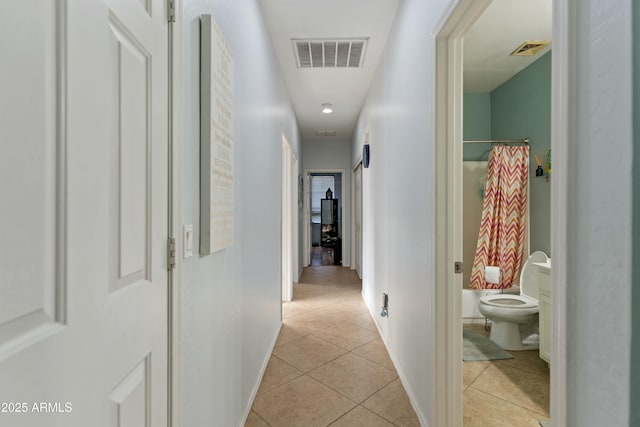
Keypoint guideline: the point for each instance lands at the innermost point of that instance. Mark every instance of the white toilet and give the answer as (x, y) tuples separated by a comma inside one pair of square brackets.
[(515, 317)]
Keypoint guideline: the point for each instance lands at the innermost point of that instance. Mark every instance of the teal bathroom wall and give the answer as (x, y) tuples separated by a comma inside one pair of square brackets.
[(635, 274), (521, 107), (477, 124)]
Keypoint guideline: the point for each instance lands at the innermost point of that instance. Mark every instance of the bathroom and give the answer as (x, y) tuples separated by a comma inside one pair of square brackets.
[(519, 108), (495, 109)]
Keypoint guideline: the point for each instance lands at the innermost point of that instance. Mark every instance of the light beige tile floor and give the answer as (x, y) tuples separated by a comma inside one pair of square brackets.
[(511, 392), (329, 365)]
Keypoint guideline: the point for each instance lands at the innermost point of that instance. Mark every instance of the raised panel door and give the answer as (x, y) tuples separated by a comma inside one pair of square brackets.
[(83, 295)]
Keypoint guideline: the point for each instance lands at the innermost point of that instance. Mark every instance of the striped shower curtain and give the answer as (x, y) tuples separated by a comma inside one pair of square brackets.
[(504, 217)]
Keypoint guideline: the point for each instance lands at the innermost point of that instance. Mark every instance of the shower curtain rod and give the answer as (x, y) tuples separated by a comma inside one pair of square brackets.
[(500, 141)]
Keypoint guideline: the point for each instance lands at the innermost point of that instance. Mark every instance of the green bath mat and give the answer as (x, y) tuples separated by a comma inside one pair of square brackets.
[(476, 347)]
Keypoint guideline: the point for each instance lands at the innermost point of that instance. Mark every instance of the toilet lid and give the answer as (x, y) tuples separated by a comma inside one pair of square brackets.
[(509, 301)]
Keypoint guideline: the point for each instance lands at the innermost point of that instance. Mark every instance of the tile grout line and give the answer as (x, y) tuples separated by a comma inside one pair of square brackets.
[(342, 416), (341, 393), (350, 305), (260, 416), (515, 364), (529, 371), (357, 403), (478, 376), (509, 401)]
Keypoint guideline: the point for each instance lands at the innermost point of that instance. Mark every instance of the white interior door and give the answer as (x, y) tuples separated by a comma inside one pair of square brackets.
[(83, 184), (358, 219)]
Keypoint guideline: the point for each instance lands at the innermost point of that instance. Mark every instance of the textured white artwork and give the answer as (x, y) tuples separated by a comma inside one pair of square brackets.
[(216, 139)]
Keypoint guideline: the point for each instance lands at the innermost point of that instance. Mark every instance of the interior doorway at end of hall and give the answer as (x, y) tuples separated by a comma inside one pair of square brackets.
[(326, 199)]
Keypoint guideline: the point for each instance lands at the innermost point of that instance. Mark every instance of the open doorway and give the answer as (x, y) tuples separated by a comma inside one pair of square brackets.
[(453, 83), (326, 199)]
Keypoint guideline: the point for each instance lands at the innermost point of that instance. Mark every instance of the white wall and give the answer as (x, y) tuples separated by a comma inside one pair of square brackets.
[(231, 309), (398, 234), (398, 194), (635, 328), (334, 154), (600, 206)]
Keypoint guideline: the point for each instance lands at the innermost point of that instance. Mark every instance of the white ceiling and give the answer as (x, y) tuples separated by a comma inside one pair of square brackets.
[(345, 88), (501, 29), (504, 26)]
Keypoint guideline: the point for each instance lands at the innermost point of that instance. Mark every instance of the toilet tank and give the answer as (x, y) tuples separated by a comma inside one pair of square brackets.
[(529, 275)]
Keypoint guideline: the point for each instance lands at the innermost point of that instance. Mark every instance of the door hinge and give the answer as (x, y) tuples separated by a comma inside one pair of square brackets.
[(171, 253), (457, 267), (171, 11)]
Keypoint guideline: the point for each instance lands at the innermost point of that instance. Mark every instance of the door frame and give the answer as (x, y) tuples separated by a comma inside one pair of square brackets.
[(295, 220), (289, 225), (176, 153), (356, 244), (447, 386), (307, 210)]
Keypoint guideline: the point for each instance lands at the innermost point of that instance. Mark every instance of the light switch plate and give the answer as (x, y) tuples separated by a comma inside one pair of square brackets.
[(187, 239)]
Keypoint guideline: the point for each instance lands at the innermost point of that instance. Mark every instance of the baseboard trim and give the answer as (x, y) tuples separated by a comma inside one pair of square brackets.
[(263, 369), (401, 374)]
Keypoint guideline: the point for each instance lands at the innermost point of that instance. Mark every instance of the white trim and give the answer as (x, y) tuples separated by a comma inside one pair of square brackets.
[(296, 271), (562, 124), (447, 387), (354, 200), (61, 164), (176, 301), (286, 222), (354, 167), (352, 235), (401, 375), (307, 207), (306, 218), (357, 163), (263, 369)]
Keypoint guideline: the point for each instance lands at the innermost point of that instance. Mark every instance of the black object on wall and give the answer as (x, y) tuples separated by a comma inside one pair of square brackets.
[(366, 155)]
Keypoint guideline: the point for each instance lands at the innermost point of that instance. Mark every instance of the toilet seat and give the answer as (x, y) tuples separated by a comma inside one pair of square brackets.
[(515, 317), (510, 301)]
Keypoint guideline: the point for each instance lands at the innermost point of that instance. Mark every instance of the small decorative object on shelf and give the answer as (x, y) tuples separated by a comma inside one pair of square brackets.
[(329, 193), (539, 170), (546, 172)]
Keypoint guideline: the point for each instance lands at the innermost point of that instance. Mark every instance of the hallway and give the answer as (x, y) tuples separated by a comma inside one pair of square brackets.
[(329, 365), (156, 207)]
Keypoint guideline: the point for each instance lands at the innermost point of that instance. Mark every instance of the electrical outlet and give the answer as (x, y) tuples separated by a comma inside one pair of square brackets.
[(385, 305)]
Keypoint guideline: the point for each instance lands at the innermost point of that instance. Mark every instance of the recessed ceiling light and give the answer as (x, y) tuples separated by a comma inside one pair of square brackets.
[(327, 109)]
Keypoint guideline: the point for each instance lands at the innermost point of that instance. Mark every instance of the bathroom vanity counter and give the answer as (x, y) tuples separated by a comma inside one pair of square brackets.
[(544, 300)]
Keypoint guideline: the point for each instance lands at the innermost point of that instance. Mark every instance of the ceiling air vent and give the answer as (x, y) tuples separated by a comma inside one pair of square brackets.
[(325, 133), (340, 53), (530, 48)]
